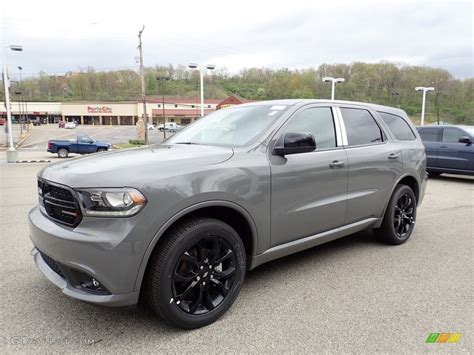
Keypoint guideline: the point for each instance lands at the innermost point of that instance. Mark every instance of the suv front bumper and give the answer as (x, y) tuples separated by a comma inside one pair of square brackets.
[(107, 250)]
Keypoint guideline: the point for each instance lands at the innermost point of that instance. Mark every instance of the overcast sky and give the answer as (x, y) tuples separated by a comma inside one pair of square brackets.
[(60, 36)]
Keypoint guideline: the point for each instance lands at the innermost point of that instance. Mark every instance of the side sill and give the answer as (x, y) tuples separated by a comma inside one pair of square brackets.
[(298, 245)]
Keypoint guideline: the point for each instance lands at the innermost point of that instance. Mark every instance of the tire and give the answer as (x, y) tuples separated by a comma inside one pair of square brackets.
[(400, 217), (185, 284), (63, 153), (101, 150)]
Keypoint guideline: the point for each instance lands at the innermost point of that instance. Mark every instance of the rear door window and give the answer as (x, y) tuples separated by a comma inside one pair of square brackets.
[(429, 134), (361, 127), (398, 126)]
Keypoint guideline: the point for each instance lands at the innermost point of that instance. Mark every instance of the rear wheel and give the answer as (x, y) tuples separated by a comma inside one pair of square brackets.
[(196, 273), (63, 153), (400, 217)]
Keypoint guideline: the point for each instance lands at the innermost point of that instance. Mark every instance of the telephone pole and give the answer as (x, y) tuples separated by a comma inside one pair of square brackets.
[(142, 77)]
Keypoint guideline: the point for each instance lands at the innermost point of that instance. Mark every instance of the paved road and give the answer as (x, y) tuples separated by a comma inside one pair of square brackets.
[(351, 295), (112, 134)]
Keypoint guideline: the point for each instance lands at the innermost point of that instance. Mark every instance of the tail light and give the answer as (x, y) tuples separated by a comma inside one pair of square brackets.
[(50, 145)]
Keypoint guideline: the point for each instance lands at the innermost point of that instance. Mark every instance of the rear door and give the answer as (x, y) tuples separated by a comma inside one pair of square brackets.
[(451, 153), (374, 161), (430, 137)]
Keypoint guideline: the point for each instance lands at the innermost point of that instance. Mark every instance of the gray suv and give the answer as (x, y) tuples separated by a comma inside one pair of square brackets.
[(178, 224)]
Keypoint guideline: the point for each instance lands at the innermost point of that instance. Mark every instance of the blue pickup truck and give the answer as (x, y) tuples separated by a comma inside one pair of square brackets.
[(80, 145)]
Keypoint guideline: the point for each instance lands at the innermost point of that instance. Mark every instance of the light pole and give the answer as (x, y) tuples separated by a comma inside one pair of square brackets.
[(22, 116), (201, 76), (425, 90), (12, 153), (333, 81), (142, 80), (162, 80)]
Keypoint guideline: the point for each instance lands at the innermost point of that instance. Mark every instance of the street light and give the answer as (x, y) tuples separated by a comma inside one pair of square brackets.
[(12, 154), (425, 90), (20, 106), (162, 79), (333, 81), (201, 75)]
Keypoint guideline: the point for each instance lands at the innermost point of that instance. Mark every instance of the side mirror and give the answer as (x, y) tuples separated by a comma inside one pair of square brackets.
[(465, 140), (295, 143)]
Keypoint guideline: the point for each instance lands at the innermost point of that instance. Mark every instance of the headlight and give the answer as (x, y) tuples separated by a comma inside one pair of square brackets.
[(122, 202)]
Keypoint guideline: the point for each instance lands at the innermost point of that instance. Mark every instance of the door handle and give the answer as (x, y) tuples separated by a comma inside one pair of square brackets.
[(443, 146), (336, 164), (394, 155)]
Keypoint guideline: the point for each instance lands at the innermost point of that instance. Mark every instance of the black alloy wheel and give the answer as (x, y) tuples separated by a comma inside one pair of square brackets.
[(403, 215), (400, 217), (195, 272), (204, 275)]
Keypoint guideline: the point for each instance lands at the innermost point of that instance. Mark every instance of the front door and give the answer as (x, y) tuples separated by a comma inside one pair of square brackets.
[(309, 189), (85, 145), (451, 153)]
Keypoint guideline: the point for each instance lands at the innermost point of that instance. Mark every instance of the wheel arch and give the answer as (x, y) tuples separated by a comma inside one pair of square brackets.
[(229, 212), (406, 179)]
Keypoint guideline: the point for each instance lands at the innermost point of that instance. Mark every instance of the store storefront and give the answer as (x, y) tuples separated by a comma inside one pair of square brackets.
[(179, 110)]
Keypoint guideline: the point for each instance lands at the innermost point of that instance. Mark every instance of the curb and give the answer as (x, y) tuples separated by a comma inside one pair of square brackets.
[(34, 161)]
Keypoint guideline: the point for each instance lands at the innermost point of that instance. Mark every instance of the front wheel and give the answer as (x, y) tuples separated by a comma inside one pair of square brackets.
[(196, 273), (63, 153), (400, 217), (101, 150)]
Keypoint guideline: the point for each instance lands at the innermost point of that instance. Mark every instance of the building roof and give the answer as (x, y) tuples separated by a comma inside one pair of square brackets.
[(178, 100), (179, 112)]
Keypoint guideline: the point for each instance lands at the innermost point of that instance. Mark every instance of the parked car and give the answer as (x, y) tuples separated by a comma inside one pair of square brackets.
[(178, 224), (169, 126), (70, 125), (449, 149), (37, 122), (3, 121), (151, 126), (80, 145), (61, 124)]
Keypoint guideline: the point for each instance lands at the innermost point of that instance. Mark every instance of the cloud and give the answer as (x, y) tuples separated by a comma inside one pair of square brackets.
[(58, 38)]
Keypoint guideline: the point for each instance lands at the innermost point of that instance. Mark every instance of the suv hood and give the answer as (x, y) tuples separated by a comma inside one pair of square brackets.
[(133, 167)]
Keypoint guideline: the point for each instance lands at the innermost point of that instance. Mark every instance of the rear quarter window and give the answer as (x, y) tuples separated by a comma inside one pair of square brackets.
[(398, 126)]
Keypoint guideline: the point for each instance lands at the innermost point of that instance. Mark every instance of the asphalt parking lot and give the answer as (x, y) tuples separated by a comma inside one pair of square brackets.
[(111, 134), (351, 295)]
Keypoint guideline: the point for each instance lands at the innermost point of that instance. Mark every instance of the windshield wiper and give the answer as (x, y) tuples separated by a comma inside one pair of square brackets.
[(187, 143)]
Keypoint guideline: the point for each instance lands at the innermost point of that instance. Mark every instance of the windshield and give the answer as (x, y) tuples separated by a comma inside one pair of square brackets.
[(234, 127)]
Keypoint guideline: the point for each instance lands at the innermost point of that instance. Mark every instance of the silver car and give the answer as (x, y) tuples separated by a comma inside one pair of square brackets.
[(178, 224)]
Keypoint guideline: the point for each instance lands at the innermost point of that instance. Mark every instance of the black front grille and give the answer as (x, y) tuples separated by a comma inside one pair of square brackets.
[(52, 264), (59, 203)]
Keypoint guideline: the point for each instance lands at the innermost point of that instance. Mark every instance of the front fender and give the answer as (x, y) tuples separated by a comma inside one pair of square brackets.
[(161, 231)]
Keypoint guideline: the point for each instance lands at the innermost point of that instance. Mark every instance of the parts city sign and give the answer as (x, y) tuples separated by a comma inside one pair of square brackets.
[(99, 109)]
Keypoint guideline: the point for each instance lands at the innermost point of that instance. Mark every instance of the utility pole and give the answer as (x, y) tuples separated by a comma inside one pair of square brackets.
[(142, 77)]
